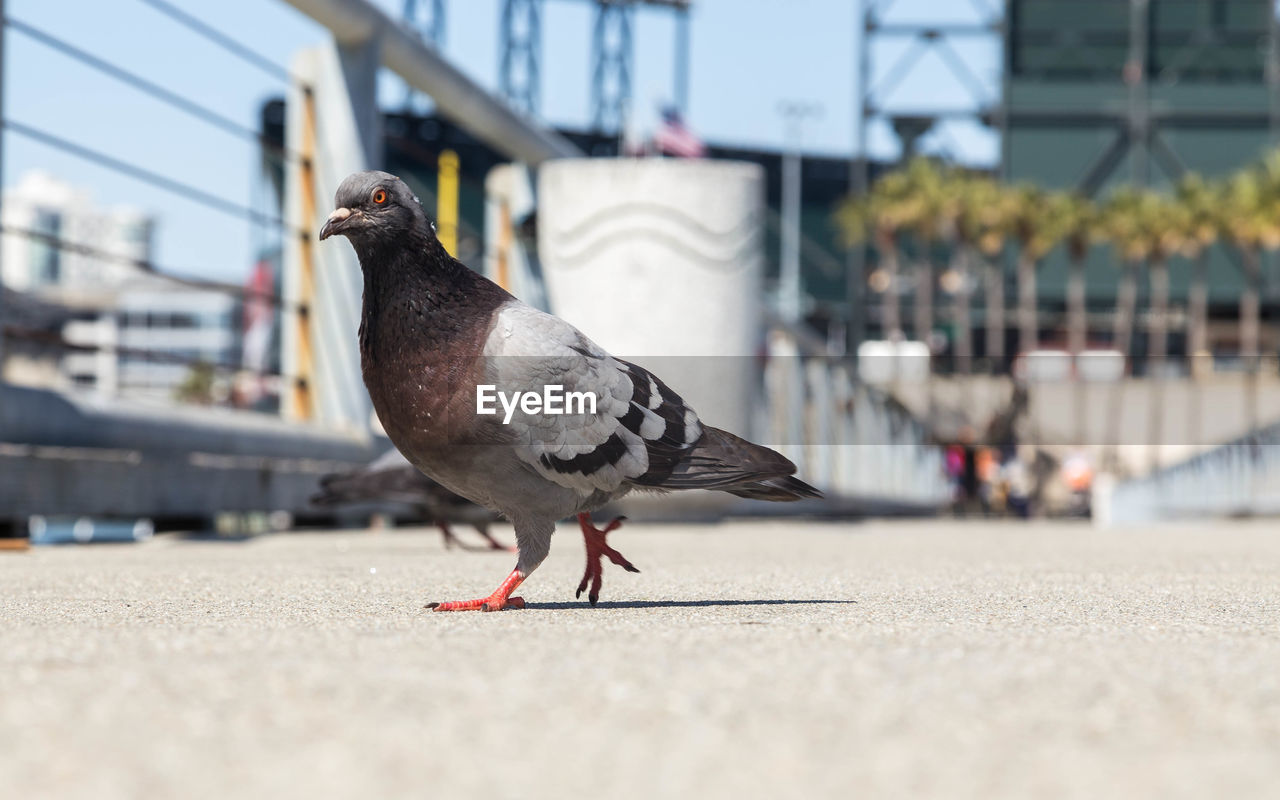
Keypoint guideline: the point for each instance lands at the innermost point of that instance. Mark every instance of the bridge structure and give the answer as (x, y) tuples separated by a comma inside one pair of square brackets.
[(65, 452)]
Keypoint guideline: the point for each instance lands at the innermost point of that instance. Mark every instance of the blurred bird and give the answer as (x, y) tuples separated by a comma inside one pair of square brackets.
[(432, 332), (392, 479)]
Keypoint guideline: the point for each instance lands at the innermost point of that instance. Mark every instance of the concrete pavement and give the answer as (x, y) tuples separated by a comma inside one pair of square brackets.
[(750, 659)]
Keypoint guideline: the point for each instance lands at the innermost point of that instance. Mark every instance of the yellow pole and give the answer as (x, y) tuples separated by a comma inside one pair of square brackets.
[(302, 403), (447, 202), (504, 245)]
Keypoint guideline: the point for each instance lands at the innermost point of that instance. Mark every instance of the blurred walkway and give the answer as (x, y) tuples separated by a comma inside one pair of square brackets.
[(922, 659)]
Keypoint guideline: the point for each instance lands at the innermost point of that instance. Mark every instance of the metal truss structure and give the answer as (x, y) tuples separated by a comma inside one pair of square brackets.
[(427, 18), (879, 101), (521, 48), (612, 57), (1162, 47)]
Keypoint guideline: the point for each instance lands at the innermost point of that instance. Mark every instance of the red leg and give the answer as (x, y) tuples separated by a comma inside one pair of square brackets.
[(597, 549), (449, 539), (501, 598), (494, 544)]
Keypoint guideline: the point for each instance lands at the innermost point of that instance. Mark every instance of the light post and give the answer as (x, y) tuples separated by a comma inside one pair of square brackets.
[(794, 114)]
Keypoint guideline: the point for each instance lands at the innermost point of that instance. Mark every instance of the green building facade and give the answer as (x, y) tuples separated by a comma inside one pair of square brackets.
[(1102, 93)]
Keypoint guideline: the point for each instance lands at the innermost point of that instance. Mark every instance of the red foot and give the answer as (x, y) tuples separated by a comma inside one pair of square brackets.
[(598, 549), (498, 601)]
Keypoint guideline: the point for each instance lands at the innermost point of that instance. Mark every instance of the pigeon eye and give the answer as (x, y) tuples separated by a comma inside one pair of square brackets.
[(379, 196)]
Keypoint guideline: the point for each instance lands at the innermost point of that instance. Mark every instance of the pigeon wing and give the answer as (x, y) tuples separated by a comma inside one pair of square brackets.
[(637, 434)]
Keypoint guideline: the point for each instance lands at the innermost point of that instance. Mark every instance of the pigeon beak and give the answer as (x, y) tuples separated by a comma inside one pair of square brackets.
[(340, 218)]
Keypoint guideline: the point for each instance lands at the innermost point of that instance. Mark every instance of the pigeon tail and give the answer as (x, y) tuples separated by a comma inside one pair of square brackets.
[(783, 490), (728, 463)]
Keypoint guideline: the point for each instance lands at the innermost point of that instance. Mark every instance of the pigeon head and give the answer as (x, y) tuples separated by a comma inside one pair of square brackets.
[(372, 208)]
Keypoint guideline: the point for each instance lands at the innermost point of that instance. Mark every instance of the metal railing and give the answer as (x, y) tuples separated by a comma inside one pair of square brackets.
[(1239, 478), (81, 145), (856, 443)]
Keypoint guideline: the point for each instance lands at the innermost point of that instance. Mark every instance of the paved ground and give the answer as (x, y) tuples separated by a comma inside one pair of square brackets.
[(749, 660)]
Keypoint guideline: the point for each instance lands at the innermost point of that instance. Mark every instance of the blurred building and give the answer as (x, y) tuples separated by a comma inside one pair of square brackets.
[(412, 143), (124, 329), (1102, 93), (27, 357), (166, 330), (40, 208)]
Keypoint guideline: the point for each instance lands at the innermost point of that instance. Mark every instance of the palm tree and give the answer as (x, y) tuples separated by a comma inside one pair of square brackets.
[(880, 216), (1202, 220), (1078, 218), (1146, 227), (1248, 202), (923, 212), (968, 200), (1125, 217), (1269, 235), (993, 210), (1037, 230), (1166, 227)]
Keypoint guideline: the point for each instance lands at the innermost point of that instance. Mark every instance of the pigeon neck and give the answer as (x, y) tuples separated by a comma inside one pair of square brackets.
[(423, 271), (417, 283)]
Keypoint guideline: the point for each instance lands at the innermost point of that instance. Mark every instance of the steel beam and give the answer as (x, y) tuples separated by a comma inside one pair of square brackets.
[(682, 62), (457, 96), (1135, 74), (933, 32), (611, 57), (1273, 73), (1176, 117), (426, 17), (859, 183), (4, 28), (521, 54), (875, 99)]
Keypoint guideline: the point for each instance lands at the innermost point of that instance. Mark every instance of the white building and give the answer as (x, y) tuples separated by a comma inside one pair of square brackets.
[(174, 326), (142, 326), (41, 205)]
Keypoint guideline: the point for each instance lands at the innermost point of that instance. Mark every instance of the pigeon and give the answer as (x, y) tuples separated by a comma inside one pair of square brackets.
[(437, 340), (392, 479)]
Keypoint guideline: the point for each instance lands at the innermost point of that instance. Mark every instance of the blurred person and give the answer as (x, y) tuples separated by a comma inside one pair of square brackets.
[(954, 465), (1017, 480), (988, 476), (1077, 474)]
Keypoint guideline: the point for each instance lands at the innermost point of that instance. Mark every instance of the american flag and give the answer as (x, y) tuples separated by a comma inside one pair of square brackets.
[(674, 139)]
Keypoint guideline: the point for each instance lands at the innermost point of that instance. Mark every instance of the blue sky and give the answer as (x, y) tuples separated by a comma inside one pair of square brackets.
[(748, 56)]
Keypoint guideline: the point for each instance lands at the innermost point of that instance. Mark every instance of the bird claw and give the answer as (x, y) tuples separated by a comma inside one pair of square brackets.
[(484, 604), (498, 601), (512, 603), (598, 549)]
